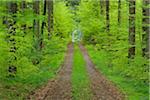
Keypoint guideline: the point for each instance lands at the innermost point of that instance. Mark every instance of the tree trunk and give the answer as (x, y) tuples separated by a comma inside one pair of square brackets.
[(42, 27), (50, 17), (12, 7), (146, 29), (23, 7), (107, 16), (119, 12), (131, 52), (36, 24)]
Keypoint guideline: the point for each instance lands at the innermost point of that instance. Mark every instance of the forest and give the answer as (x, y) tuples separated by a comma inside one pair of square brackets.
[(74, 49)]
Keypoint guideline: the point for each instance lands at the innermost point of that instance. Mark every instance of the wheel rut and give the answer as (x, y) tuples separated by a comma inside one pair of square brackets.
[(60, 87), (101, 87)]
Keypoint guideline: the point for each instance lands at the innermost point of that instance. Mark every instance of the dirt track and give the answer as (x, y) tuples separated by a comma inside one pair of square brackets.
[(60, 88), (102, 89)]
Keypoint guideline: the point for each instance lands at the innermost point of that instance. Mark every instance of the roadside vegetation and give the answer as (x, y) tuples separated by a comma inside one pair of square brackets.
[(132, 87)]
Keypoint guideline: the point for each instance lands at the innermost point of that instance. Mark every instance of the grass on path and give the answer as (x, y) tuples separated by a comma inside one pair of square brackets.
[(80, 79)]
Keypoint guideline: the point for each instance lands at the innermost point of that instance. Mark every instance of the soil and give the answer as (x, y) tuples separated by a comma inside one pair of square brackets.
[(101, 87), (60, 87)]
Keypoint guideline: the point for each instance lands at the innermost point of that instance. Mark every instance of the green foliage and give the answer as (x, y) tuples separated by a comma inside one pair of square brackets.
[(131, 78), (34, 67), (26, 17), (110, 50), (63, 22), (90, 23), (4, 53), (23, 68)]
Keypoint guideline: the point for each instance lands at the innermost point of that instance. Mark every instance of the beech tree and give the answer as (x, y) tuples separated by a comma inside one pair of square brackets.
[(12, 9), (107, 16), (23, 6), (50, 17), (36, 24), (119, 12), (42, 26), (131, 51), (146, 29)]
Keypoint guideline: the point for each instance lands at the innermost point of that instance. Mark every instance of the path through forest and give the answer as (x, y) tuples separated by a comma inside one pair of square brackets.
[(102, 88), (60, 88)]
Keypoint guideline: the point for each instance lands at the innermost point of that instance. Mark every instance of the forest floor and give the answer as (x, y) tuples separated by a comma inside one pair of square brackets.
[(61, 87)]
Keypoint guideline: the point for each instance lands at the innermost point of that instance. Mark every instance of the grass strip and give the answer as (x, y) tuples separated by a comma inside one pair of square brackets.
[(80, 79)]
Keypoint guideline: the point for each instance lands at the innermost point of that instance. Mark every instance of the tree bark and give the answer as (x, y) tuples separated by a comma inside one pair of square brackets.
[(12, 8), (43, 25), (146, 29), (131, 51), (50, 17), (23, 7), (36, 24), (119, 12), (107, 16)]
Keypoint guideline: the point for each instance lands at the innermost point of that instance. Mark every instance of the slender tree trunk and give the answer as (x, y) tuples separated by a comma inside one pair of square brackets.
[(23, 7), (131, 52), (146, 29), (119, 12), (43, 25), (102, 6), (50, 17), (12, 7), (107, 16), (36, 24)]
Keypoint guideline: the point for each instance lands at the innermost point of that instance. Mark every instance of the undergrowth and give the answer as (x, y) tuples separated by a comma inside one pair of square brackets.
[(26, 81)]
